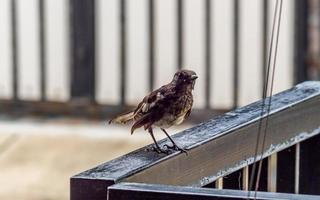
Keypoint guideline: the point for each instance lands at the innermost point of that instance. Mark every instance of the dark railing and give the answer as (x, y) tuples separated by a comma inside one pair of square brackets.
[(221, 153), (83, 51), (140, 191)]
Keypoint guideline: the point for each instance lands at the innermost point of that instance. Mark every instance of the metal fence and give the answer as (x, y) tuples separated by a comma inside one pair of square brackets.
[(221, 153), (106, 54)]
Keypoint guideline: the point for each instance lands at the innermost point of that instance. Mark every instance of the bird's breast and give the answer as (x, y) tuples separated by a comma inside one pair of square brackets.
[(176, 112), (182, 105)]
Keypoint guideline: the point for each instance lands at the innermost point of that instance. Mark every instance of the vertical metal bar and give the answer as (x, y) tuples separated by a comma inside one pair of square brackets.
[(272, 172), (236, 21), (208, 51), (300, 41), (297, 169), (83, 49), (180, 22), (265, 22), (219, 183), (151, 43), (42, 49), (123, 51), (245, 178), (14, 43)]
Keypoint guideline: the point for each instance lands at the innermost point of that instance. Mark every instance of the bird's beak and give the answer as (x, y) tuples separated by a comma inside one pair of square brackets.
[(194, 77)]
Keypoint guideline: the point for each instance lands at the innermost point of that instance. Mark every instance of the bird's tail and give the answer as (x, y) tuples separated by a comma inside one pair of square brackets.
[(143, 121), (123, 118)]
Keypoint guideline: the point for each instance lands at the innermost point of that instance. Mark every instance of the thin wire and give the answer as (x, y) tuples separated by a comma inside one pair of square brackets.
[(265, 88), (270, 98)]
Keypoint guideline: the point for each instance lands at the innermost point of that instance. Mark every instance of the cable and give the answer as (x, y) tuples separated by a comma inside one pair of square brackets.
[(265, 90), (270, 98)]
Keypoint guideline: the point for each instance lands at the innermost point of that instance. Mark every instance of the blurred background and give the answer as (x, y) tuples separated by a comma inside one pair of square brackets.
[(67, 66)]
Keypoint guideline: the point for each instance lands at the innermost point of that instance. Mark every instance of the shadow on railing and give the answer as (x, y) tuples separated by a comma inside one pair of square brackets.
[(220, 154)]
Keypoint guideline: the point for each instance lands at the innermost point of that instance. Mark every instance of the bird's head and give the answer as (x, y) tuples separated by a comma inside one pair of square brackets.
[(185, 78)]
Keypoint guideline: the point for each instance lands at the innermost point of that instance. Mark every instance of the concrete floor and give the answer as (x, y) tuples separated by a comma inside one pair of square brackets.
[(37, 157)]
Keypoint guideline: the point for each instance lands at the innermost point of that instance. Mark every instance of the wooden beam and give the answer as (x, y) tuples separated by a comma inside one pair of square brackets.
[(135, 191), (245, 178), (297, 169), (218, 147), (272, 172), (219, 183), (22, 108)]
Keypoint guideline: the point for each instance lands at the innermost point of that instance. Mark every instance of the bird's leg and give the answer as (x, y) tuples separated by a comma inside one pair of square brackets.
[(174, 145), (157, 149)]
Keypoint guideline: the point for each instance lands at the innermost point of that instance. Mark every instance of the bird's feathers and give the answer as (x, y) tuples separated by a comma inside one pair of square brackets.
[(154, 98), (123, 118), (148, 110), (168, 105), (187, 114), (143, 121), (151, 108)]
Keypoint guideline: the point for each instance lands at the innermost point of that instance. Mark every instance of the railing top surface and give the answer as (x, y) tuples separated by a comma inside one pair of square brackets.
[(200, 134), (140, 190)]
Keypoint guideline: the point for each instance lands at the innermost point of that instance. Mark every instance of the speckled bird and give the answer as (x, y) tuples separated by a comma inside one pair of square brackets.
[(164, 107)]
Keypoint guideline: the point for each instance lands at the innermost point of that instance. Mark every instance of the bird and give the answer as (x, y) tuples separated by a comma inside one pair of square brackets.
[(164, 107)]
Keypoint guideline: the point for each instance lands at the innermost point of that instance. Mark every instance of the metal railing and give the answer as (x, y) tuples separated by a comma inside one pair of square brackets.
[(221, 152)]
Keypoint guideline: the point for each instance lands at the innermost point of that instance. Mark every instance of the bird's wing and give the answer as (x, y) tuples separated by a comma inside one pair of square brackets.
[(152, 107), (123, 118), (187, 114), (155, 99)]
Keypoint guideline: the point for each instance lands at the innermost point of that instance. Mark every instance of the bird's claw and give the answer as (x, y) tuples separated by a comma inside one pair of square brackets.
[(176, 148), (159, 150)]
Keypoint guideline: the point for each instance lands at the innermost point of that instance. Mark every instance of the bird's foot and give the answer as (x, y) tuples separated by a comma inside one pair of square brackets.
[(176, 148), (159, 150)]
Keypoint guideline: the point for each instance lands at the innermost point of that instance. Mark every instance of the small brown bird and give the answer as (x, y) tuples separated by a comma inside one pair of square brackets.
[(164, 107)]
